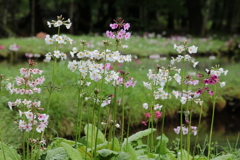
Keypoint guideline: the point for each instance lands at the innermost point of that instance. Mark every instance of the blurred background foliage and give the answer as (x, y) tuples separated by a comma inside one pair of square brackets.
[(198, 17)]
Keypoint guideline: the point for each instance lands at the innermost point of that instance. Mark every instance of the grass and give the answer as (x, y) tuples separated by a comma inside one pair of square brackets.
[(63, 104), (63, 107), (139, 46)]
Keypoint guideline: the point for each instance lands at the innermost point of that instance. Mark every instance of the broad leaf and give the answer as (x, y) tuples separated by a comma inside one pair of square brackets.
[(224, 157), (106, 153), (57, 154), (138, 135), (185, 155), (9, 152), (162, 145), (91, 133), (73, 153), (123, 156), (129, 149)]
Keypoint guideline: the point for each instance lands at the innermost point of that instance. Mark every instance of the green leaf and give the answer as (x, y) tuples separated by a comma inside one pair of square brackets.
[(6, 156), (162, 145), (73, 153), (224, 157), (57, 154), (185, 155), (197, 157), (129, 149), (9, 152), (106, 152), (91, 132), (141, 150), (57, 143), (144, 157), (138, 135), (123, 156)]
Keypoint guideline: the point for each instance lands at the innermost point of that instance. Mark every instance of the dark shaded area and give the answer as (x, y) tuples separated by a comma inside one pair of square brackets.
[(199, 17)]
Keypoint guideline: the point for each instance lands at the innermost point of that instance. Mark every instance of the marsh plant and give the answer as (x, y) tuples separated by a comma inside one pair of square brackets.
[(106, 136)]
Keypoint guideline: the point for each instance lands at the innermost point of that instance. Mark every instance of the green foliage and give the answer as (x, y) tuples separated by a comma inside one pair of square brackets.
[(106, 153), (224, 157), (57, 154), (9, 152), (138, 135), (129, 149), (183, 155), (73, 153), (161, 147), (91, 133)]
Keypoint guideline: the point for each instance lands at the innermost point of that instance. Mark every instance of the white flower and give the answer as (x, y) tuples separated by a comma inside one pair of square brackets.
[(195, 64), (105, 102), (147, 85), (49, 24), (192, 49), (184, 130), (48, 40), (57, 53), (183, 100), (145, 105), (68, 25), (117, 125), (58, 23), (157, 107), (180, 49), (222, 84)]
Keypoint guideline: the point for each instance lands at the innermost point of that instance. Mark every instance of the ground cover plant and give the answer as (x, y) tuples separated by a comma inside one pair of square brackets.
[(103, 112)]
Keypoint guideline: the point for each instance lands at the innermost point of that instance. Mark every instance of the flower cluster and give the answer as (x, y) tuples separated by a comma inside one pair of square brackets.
[(181, 48), (32, 119), (36, 120), (14, 47), (28, 82), (108, 54), (55, 55), (185, 130), (60, 21), (121, 30), (157, 108), (60, 39)]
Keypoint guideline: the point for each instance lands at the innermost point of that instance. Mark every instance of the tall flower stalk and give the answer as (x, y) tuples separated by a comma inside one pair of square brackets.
[(56, 55), (31, 121)]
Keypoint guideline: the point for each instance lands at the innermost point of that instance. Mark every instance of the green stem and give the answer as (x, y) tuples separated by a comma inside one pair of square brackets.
[(128, 129), (163, 117), (196, 140), (3, 150), (122, 101), (114, 113), (79, 117), (98, 124), (87, 134), (211, 129)]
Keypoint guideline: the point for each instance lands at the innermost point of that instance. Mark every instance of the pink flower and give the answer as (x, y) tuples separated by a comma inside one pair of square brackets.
[(120, 36), (108, 66), (158, 114), (211, 93), (147, 115), (144, 122), (110, 34), (114, 26), (1, 47), (127, 35), (126, 26)]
